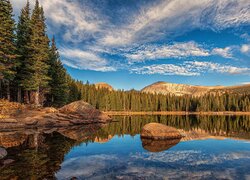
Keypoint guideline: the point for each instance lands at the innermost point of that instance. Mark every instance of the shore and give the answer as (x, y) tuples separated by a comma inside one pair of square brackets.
[(130, 113)]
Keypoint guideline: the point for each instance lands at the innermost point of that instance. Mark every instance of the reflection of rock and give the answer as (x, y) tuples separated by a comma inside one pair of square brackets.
[(3, 153), (159, 145), (103, 140), (79, 134), (159, 131), (9, 139)]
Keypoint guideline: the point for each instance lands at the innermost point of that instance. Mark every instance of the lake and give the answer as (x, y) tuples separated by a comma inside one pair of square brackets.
[(214, 147)]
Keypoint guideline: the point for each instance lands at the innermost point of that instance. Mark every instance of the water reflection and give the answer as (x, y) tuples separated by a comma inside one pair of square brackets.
[(158, 145), (108, 149)]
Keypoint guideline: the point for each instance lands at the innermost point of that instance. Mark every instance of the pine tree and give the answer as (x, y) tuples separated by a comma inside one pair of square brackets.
[(38, 58), (58, 84), (7, 45), (23, 39)]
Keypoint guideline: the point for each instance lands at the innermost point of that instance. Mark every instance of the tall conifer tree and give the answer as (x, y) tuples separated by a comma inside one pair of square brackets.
[(23, 39), (58, 84), (7, 46), (38, 57)]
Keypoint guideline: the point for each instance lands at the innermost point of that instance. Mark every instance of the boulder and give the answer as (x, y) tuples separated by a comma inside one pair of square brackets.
[(3, 153), (85, 110), (159, 145), (159, 131)]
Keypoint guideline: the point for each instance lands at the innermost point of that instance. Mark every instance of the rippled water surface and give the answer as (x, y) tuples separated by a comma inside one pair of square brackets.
[(214, 147)]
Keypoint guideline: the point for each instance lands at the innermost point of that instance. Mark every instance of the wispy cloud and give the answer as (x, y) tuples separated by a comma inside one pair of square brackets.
[(190, 68), (165, 69), (177, 50), (216, 67), (75, 20), (224, 52), (170, 18), (79, 59)]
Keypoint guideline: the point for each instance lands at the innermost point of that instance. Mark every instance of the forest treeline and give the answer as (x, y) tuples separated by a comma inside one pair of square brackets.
[(133, 100), (31, 72)]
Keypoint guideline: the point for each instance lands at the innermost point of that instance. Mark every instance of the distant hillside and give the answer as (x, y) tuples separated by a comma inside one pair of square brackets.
[(104, 85), (184, 89)]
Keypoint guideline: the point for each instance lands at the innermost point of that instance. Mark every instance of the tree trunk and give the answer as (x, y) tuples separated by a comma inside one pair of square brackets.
[(19, 94), (1, 90), (8, 90), (26, 97), (36, 96)]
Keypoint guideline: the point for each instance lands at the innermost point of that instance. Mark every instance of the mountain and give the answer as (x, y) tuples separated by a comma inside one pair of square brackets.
[(184, 89), (104, 85)]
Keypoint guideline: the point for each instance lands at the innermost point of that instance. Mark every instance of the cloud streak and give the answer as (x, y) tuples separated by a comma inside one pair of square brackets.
[(80, 59), (190, 68)]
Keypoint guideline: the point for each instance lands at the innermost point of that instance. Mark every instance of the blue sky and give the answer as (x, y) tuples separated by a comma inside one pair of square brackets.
[(131, 44)]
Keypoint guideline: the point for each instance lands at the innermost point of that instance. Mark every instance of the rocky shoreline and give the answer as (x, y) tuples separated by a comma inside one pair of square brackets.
[(76, 113)]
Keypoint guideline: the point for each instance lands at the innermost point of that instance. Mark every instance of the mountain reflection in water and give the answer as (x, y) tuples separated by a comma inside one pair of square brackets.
[(45, 153)]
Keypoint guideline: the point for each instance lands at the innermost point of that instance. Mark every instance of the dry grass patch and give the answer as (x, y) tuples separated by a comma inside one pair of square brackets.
[(8, 109)]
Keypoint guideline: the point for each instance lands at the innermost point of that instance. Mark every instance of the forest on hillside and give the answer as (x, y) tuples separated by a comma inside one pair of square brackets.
[(31, 72)]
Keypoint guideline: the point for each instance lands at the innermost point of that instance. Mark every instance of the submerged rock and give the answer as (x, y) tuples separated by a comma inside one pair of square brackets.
[(3, 153), (158, 145), (159, 131)]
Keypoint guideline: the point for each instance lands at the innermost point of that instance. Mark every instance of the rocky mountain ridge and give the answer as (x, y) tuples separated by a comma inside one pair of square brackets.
[(184, 89), (104, 85)]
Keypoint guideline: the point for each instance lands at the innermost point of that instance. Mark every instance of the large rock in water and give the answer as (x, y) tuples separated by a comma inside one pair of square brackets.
[(85, 110), (159, 131)]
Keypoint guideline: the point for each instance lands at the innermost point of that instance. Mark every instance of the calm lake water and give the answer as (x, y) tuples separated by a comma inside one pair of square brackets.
[(214, 147)]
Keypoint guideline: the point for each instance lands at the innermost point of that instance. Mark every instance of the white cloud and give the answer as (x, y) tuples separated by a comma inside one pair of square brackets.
[(79, 59), (216, 67), (231, 13), (176, 50), (170, 18), (190, 68), (77, 21), (164, 69), (224, 52), (245, 48)]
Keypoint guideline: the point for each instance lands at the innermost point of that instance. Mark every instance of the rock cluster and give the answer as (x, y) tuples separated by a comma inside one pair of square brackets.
[(75, 113)]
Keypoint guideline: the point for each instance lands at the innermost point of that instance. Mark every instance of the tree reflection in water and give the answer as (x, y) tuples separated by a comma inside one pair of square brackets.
[(38, 154)]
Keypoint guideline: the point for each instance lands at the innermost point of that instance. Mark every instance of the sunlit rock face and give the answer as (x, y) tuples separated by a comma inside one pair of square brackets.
[(159, 145), (159, 131), (184, 89), (85, 110), (103, 85)]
